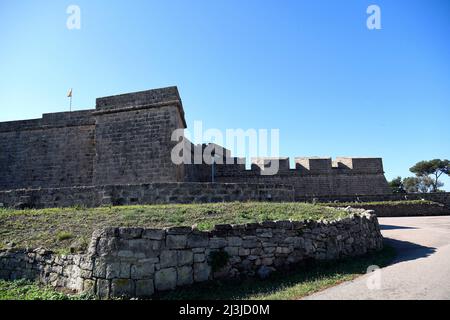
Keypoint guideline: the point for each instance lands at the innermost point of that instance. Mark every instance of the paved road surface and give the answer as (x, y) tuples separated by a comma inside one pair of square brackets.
[(421, 269)]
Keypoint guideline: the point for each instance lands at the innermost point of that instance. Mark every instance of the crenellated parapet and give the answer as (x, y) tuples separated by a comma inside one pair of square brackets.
[(311, 176), (303, 165)]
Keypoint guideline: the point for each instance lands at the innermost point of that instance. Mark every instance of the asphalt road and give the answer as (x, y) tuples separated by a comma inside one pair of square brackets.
[(421, 269)]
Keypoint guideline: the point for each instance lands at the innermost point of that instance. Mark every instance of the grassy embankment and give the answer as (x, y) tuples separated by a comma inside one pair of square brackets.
[(378, 203), (62, 230), (68, 229)]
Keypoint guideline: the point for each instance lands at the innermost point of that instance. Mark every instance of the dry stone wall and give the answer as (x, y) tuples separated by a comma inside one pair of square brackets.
[(72, 272), (137, 262)]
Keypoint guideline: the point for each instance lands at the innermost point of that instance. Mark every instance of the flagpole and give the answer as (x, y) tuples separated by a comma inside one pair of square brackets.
[(70, 94)]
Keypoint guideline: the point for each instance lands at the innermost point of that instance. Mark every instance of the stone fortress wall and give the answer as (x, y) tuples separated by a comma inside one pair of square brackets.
[(137, 262), (126, 140), (312, 176)]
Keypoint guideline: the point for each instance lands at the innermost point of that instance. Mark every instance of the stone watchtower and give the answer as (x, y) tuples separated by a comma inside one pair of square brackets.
[(132, 137)]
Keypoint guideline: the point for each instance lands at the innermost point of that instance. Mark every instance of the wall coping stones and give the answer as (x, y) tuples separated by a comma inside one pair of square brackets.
[(185, 192), (139, 262)]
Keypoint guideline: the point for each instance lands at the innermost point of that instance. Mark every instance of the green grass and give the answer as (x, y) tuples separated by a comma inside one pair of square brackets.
[(70, 229), (61, 229), (378, 203), (293, 285), (26, 290), (64, 235)]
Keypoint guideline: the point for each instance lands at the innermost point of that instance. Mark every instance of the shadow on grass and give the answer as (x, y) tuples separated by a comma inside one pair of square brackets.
[(311, 277)]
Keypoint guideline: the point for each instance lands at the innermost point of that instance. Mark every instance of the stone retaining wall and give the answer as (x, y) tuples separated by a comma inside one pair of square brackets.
[(70, 272), (406, 209), (152, 193), (136, 262), (439, 197), (185, 192)]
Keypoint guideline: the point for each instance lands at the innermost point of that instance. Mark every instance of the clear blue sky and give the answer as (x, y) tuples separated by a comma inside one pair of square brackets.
[(310, 68)]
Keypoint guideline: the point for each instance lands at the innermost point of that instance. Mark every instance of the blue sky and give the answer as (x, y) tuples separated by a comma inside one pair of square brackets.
[(310, 68)]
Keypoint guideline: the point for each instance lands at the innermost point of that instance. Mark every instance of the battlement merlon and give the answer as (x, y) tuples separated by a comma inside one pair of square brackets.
[(154, 98), (314, 164), (325, 165), (264, 163)]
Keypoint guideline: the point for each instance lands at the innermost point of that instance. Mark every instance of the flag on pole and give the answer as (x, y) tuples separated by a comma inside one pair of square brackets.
[(69, 95)]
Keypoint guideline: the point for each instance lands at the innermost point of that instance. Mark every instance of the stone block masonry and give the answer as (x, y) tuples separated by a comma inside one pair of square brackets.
[(152, 193), (55, 151), (315, 176), (406, 209), (126, 140), (137, 262), (438, 197)]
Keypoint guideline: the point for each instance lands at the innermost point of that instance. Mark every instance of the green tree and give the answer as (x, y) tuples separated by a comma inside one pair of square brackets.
[(434, 168), (422, 184), (411, 184), (397, 185)]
